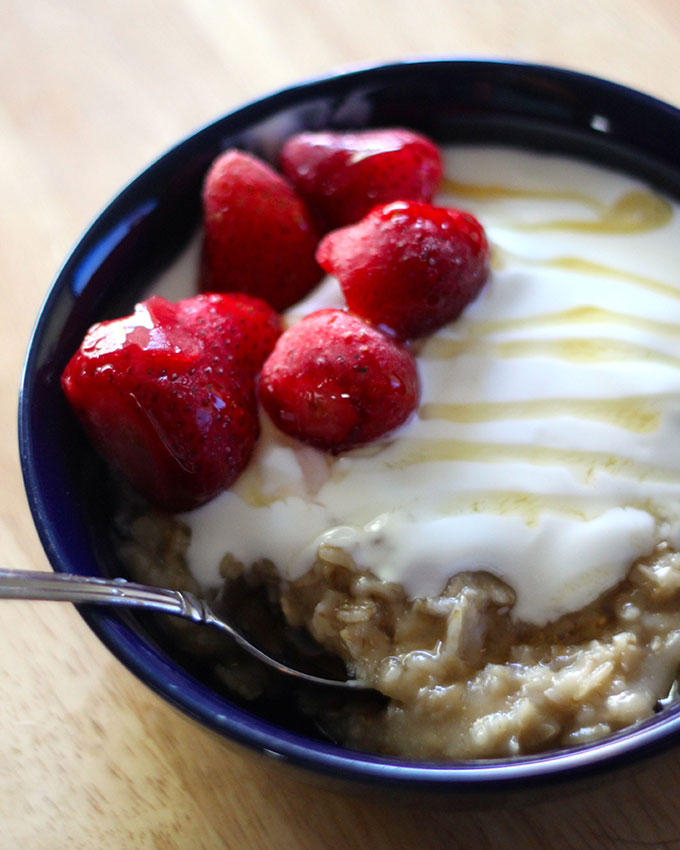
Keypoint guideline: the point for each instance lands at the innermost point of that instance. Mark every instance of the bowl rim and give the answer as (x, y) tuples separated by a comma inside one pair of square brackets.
[(190, 695)]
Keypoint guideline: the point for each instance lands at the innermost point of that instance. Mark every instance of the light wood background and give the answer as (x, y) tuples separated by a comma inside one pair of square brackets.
[(89, 93)]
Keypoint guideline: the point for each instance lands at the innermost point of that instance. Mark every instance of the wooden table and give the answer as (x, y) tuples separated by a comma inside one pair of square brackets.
[(90, 92)]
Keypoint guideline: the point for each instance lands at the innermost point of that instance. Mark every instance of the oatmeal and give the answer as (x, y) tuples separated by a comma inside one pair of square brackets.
[(503, 566)]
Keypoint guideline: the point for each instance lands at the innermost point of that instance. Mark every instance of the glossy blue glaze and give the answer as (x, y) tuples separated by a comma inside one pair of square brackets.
[(145, 228)]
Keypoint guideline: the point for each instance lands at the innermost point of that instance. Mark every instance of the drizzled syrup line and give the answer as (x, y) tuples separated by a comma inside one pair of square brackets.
[(587, 314), (578, 265), (639, 414), (637, 211), (530, 506), (587, 464), (573, 349)]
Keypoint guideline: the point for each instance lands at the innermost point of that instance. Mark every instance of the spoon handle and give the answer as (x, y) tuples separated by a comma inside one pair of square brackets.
[(92, 590), (66, 587)]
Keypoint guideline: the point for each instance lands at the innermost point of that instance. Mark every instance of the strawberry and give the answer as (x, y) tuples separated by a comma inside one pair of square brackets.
[(408, 266), (258, 236), (166, 400), (247, 326), (343, 176), (336, 382)]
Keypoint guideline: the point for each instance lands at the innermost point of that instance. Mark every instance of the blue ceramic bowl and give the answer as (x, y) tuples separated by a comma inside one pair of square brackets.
[(146, 227)]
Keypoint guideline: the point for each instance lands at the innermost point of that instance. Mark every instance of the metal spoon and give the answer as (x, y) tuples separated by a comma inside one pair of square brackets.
[(64, 587)]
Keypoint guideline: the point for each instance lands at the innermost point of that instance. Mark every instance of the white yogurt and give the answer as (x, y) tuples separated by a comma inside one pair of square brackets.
[(546, 449)]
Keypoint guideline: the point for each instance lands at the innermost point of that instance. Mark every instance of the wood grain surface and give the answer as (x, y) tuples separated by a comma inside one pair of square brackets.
[(89, 93)]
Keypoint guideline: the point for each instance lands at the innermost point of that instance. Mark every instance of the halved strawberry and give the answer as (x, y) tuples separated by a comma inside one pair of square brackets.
[(344, 175)]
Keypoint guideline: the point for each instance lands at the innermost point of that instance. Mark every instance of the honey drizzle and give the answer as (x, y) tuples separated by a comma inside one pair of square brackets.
[(639, 414), (587, 314), (634, 212), (587, 464), (573, 349), (529, 506), (495, 192), (578, 265)]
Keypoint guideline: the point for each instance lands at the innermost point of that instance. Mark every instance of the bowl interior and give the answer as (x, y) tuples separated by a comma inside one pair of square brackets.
[(150, 222)]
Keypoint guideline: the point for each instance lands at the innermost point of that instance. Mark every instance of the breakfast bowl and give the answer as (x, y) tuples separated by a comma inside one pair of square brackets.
[(534, 111)]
